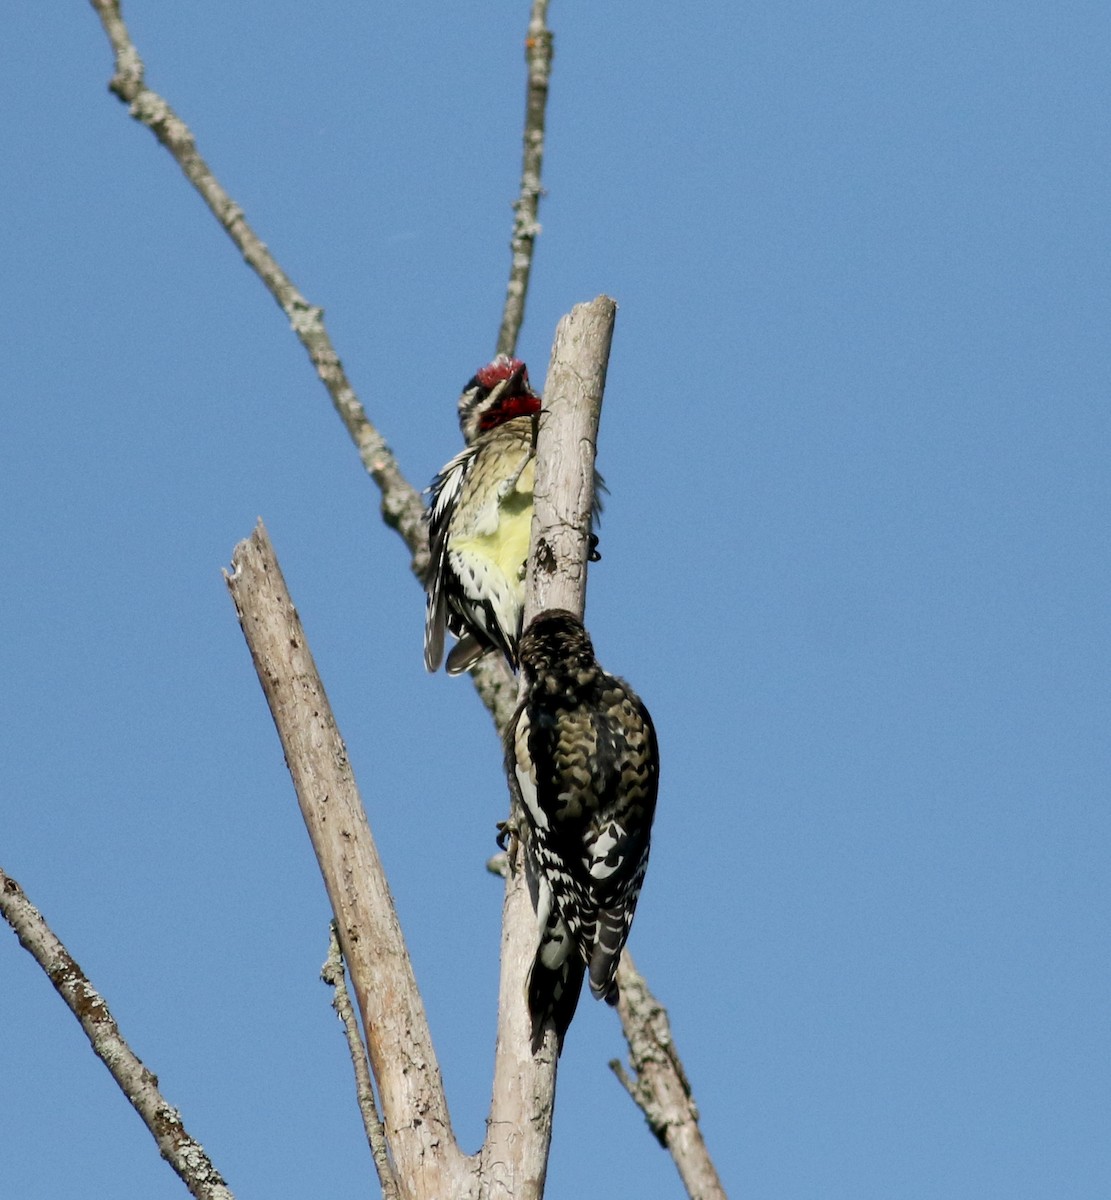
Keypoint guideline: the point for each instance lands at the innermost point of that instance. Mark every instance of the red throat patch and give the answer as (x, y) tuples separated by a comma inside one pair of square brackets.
[(521, 404)]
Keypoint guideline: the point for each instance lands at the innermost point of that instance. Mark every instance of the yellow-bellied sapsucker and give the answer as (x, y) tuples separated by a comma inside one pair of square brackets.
[(480, 519), (583, 768)]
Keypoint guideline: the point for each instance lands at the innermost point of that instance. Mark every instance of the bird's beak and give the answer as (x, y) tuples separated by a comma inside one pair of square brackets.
[(513, 383)]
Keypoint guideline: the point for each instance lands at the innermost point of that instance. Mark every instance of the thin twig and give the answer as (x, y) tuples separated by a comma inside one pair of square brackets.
[(401, 504), (186, 1155), (427, 1160), (659, 1086), (334, 975), (526, 208)]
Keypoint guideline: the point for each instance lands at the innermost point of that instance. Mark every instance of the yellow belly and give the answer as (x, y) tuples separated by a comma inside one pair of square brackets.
[(506, 548)]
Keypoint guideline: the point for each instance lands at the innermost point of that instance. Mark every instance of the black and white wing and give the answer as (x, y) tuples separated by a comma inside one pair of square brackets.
[(445, 491)]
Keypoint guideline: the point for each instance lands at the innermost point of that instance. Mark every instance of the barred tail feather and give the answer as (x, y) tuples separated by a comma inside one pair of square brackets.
[(613, 929), (553, 996)]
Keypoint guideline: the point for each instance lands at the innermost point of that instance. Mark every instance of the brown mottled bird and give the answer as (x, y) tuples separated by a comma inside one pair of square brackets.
[(583, 769)]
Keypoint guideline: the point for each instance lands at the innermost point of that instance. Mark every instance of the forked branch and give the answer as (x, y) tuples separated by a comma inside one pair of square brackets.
[(401, 505)]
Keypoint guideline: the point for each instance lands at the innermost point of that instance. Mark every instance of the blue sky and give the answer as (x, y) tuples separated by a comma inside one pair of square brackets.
[(855, 559)]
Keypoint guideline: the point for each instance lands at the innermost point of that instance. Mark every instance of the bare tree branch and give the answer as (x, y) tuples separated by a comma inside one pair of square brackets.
[(659, 1086), (564, 494), (427, 1160), (186, 1155), (515, 1153), (565, 450), (401, 504), (334, 975), (526, 208)]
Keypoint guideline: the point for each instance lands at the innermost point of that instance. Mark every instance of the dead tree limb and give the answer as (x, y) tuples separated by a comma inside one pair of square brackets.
[(184, 1153), (427, 1161), (659, 1085), (565, 449), (524, 1084)]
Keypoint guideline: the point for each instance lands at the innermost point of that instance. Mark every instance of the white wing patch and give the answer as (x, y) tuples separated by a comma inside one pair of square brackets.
[(445, 490), (600, 861)]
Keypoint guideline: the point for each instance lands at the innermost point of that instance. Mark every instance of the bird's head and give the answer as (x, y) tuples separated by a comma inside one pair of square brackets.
[(497, 393), (556, 644)]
